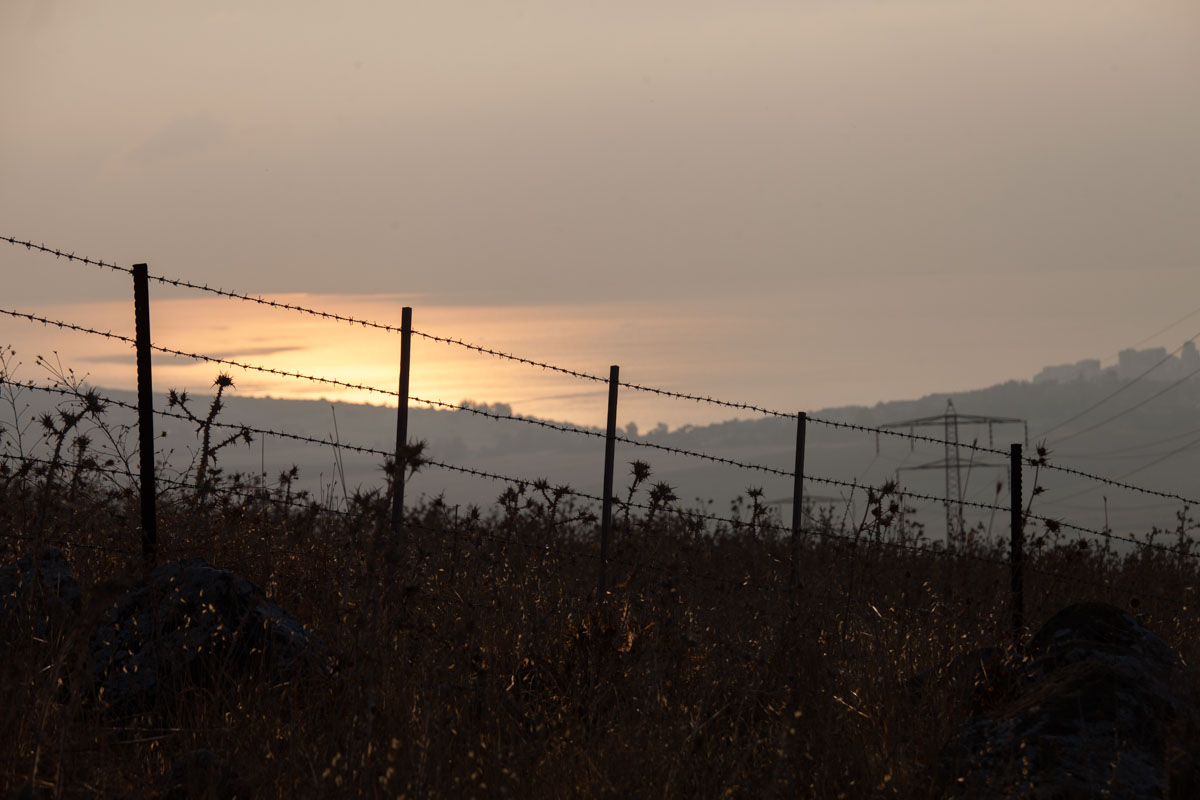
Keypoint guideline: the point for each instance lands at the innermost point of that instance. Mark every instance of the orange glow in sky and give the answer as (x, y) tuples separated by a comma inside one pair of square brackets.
[(797, 205), (585, 338), (820, 350)]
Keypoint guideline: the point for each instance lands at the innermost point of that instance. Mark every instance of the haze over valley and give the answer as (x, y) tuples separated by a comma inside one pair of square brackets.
[(1140, 421)]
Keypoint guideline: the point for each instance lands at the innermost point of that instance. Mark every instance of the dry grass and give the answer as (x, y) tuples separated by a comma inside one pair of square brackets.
[(478, 659)]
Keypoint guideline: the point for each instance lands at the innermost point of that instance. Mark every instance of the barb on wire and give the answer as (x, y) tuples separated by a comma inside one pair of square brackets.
[(262, 495), (178, 282), (302, 376), (901, 493), (1111, 482), (1052, 524), (1028, 460), (509, 356), (706, 457), (63, 254), (528, 420), (909, 436), (264, 301), (554, 426), (167, 414), (67, 325), (388, 392), (366, 323), (744, 583), (28, 459), (479, 473), (710, 400)]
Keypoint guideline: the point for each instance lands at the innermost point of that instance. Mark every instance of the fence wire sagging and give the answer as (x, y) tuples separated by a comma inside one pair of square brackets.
[(873, 495)]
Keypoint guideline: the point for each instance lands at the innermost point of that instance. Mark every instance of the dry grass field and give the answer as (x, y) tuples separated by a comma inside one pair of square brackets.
[(474, 656), (477, 657)]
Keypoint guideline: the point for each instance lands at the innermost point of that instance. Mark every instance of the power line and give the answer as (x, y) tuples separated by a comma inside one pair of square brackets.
[(572, 429), (1113, 394), (1120, 451), (1158, 333), (1116, 482), (556, 426), (1164, 457), (856, 540), (1134, 407), (473, 347)]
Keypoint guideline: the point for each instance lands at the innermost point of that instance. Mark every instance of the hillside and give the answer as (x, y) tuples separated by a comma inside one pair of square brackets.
[(476, 657), (1152, 439)]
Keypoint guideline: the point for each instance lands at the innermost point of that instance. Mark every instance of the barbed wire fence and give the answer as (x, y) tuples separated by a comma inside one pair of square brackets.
[(406, 455)]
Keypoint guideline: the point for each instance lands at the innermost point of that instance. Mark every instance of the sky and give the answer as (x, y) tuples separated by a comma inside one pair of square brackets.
[(796, 204)]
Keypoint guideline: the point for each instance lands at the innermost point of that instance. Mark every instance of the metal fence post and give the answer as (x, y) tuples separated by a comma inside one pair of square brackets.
[(610, 443), (402, 423), (145, 389), (1017, 542), (798, 498)]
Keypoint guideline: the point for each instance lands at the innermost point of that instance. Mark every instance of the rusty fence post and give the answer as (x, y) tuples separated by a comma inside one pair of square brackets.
[(401, 464), (798, 499), (1017, 542), (145, 390), (610, 443)]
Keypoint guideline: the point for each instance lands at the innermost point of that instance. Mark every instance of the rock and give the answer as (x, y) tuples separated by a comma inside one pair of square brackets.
[(1096, 706), (199, 624), (34, 596), (199, 775)]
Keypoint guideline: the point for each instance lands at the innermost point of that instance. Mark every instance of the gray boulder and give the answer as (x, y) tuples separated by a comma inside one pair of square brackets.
[(37, 593), (1097, 706), (193, 623)]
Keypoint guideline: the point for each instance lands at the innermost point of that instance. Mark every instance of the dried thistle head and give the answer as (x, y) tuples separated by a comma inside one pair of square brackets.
[(511, 496), (92, 404), (662, 494)]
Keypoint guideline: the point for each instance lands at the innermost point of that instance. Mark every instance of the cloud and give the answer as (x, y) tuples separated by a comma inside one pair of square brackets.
[(179, 138), (254, 351), (231, 355)]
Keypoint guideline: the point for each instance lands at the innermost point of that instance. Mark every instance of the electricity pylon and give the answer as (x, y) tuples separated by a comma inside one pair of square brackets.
[(952, 463)]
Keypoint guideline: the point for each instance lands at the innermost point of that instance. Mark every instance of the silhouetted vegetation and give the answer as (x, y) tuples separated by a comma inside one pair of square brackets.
[(475, 657)]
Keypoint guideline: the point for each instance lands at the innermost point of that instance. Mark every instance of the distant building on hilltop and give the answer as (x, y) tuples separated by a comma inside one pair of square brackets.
[(1189, 358), (1065, 373), (1132, 363)]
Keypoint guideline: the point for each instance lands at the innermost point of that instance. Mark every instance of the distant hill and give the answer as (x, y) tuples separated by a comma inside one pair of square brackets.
[(1159, 437)]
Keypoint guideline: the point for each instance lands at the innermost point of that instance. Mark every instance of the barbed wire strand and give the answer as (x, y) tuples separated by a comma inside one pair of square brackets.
[(857, 539), (301, 376), (64, 254), (520, 359), (675, 572), (1117, 483), (1030, 461)]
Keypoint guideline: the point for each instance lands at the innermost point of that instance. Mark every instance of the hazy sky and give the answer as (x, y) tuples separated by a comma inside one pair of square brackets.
[(829, 201)]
